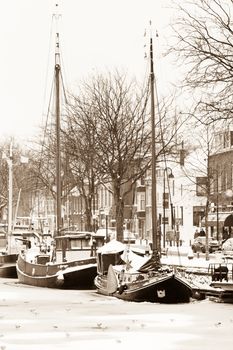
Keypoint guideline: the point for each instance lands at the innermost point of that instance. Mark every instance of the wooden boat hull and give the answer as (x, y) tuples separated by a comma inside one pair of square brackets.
[(80, 278), (69, 275), (166, 289), (37, 275), (222, 291), (8, 265)]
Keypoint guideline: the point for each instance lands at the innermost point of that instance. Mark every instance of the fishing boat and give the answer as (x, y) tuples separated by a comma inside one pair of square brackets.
[(68, 260), (121, 274), (124, 274), (42, 265)]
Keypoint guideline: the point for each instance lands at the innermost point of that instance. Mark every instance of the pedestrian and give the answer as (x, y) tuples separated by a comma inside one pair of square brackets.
[(202, 233)]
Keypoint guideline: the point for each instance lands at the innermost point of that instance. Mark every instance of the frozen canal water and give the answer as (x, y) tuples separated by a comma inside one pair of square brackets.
[(37, 319)]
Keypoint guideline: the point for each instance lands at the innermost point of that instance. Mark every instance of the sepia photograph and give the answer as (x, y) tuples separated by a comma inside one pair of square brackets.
[(116, 174)]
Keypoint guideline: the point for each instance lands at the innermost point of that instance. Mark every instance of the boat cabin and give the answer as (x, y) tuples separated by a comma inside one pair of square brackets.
[(78, 244), (109, 254), (24, 239)]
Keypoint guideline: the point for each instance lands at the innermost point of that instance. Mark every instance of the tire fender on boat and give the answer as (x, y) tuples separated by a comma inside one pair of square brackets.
[(122, 288), (60, 279)]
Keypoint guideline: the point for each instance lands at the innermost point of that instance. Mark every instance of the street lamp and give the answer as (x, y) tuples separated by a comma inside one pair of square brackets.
[(106, 224), (166, 203)]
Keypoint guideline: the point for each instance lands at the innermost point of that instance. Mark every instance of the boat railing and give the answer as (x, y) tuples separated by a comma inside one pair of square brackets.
[(221, 271)]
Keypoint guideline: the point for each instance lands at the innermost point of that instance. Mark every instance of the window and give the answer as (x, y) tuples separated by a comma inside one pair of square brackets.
[(226, 139), (101, 197), (142, 181), (198, 214), (142, 201), (220, 181), (105, 197), (231, 138), (110, 199), (212, 184), (181, 215), (201, 186), (223, 180)]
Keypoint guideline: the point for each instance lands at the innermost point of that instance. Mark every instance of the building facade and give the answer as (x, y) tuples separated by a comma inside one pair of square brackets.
[(220, 217)]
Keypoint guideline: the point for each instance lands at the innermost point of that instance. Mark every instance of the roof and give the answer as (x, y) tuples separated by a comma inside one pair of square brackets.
[(78, 235), (112, 247)]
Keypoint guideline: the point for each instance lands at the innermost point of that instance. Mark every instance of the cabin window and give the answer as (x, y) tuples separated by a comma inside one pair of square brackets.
[(75, 244), (108, 259), (85, 243)]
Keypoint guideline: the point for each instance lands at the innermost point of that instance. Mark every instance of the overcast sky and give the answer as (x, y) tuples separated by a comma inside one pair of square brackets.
[(96, 35)]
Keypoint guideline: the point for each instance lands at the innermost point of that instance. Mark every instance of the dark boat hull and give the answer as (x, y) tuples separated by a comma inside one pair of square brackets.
[(80, 278), (70, 275), (8, 266), (167, 289)]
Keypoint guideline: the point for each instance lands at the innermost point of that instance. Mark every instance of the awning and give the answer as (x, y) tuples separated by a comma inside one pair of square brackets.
[(225, 219), (229, 221)]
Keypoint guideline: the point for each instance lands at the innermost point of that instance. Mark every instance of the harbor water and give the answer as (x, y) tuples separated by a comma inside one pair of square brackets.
[(33, 318)]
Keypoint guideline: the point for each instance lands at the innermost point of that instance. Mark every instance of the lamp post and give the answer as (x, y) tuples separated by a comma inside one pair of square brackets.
[(169, 176), (106, 223), (217, 210)]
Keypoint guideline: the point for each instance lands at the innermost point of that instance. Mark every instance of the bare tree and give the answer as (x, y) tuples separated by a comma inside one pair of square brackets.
[(204, 31), (111, 123), (80, 144), (109, 133), (42, 164)]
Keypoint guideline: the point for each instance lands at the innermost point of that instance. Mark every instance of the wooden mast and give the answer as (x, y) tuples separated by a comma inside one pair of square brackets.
[(58, 143), (153, 162)]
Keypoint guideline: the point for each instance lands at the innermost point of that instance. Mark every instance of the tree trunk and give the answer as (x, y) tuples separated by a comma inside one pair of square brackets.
[(119, 203), (88, 213)]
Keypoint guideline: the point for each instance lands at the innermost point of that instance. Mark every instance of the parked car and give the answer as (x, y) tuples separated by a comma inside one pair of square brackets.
[(199, 245), (227, 247)]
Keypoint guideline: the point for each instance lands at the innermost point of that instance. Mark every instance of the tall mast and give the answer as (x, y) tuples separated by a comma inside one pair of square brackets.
[(153, 161), (58, 126)]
